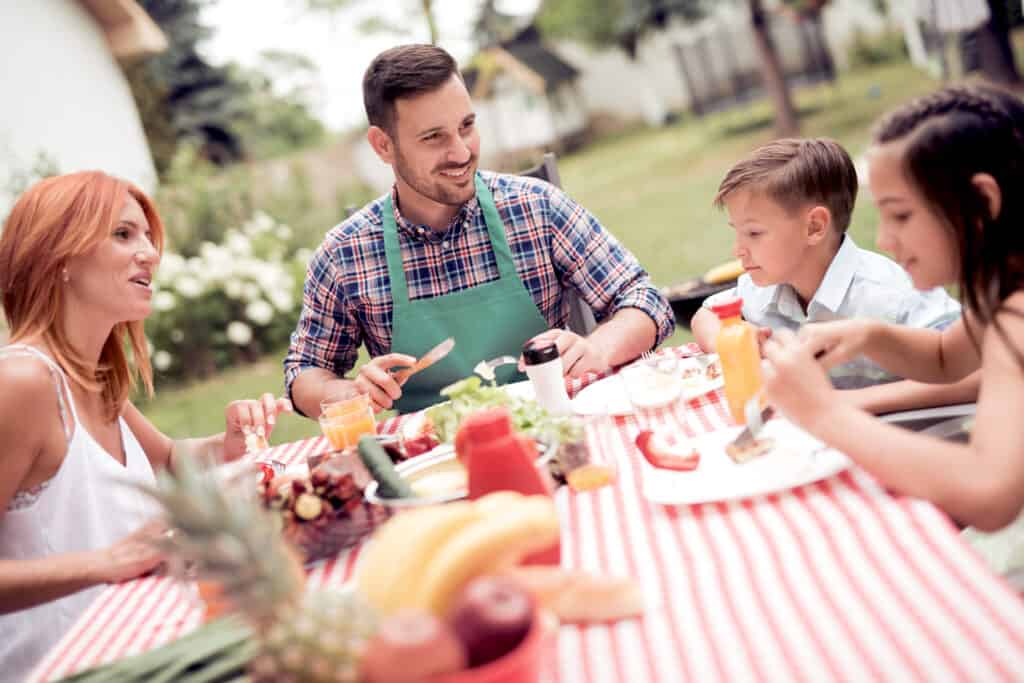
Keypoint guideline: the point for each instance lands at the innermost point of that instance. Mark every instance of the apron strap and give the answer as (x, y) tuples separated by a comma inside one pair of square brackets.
[(495, 230), (393, 254)]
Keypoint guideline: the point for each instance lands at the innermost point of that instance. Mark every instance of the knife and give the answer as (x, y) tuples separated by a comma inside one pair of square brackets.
[(755, 417), (755, 421), (426, 360)]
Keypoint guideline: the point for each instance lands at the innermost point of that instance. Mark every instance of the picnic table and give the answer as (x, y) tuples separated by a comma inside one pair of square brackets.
[(836, 580)]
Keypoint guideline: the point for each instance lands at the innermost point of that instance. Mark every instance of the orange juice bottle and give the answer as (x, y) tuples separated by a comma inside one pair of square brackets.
[(740, 357), (215, 604)]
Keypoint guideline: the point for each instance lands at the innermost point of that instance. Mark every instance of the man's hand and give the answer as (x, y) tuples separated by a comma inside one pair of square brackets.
[(375, 378), (579, 354)]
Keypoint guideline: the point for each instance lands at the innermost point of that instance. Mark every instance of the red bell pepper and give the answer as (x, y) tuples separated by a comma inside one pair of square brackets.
[(666, 456)]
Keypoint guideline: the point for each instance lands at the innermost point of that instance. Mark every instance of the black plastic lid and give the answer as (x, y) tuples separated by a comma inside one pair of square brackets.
[(535, 354)]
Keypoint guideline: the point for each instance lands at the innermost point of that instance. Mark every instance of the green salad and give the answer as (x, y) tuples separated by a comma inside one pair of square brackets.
[(471, 394)]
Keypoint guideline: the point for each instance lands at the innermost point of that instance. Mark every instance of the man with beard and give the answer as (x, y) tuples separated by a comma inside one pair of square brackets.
[(452, 251)]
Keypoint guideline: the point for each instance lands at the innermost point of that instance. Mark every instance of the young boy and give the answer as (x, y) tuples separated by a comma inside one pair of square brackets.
[(790, 204)]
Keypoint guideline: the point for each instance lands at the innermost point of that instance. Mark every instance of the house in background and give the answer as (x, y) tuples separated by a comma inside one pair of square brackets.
[(699, 66), (67, 104), (526, 97)]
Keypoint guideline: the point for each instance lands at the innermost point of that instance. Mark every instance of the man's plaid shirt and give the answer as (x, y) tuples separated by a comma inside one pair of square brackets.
[(555, 243)]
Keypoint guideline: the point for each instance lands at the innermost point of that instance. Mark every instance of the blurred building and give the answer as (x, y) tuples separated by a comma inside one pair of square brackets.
[(67, 104)]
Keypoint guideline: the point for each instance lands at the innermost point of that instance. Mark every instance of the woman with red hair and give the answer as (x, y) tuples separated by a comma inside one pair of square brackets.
[(77, 258)]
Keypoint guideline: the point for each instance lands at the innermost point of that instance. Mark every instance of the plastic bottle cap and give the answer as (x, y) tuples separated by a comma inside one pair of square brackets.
[(489, 424), (535, 354), (729, 308)]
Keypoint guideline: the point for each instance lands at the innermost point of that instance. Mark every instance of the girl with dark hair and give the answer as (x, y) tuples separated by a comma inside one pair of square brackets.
[(946, 174)]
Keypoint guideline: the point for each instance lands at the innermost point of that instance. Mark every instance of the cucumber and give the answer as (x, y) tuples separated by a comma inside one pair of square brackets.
[(389, 483)]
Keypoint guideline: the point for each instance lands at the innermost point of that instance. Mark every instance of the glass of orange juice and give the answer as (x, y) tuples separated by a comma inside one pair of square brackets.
[(346, 415)]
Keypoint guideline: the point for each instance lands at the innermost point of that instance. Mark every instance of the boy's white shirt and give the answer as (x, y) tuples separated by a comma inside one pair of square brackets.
[(858, 284)]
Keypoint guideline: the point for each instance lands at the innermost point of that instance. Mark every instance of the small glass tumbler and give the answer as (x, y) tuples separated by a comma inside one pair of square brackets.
[(345, 416)]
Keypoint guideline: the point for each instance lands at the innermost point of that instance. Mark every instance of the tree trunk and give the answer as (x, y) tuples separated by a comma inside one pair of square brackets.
[(786, 124), (995, 52), (428, 12)]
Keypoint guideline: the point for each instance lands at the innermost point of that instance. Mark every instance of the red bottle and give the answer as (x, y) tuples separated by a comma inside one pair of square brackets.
[(498, 459)]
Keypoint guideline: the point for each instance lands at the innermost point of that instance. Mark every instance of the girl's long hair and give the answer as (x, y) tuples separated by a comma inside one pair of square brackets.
[(54, 221), (950, 136)]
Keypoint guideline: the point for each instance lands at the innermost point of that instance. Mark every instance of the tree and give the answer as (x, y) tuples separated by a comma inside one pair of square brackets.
[(180, 96), (377, 23), (786, 124), (600, 22), (276, 115)]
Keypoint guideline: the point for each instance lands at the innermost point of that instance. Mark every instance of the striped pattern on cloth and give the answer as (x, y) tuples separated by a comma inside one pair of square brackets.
[(834, 581)]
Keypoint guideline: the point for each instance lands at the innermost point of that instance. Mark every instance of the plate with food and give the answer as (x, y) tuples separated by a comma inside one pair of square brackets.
[(783, 456), (651, 384)]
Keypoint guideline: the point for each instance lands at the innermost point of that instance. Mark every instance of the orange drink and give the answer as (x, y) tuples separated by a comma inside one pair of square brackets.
[(215, 604), (739, 353), (345, 416), (344, 431)]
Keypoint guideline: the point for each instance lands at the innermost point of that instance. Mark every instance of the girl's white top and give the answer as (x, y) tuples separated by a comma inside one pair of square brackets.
[(87, 505)]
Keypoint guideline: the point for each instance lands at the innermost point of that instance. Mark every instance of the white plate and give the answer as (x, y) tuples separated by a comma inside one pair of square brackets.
[(797, 459), (611, 395)]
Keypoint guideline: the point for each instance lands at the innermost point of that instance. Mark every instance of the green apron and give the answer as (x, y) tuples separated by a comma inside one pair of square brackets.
[(489, 320)]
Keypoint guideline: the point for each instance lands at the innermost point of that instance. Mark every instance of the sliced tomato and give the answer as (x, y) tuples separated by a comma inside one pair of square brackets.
[(663, 455)]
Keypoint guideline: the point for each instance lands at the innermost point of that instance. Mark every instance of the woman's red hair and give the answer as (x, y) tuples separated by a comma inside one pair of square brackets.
[(53, 221)]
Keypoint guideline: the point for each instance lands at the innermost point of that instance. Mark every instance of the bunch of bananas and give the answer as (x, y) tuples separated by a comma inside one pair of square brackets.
[(421, 558)]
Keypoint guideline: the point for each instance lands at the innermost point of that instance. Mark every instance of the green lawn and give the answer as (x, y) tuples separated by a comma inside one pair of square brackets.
[(653, 189)]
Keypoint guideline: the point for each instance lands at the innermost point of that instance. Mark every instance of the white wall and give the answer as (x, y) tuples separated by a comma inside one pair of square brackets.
[(652, 84), (64, 94)]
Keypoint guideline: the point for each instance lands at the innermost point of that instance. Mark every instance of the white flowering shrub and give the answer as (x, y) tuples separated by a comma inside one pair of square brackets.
[(229, 304)]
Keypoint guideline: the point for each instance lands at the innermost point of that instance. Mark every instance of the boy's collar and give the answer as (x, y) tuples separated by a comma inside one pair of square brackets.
[(839, 276), (830, 293)]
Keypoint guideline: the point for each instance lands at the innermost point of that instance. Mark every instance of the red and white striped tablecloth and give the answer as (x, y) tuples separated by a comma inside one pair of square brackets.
[(836, 580)]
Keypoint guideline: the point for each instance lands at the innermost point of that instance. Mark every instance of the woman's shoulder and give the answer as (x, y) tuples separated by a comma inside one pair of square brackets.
[(28, 383)]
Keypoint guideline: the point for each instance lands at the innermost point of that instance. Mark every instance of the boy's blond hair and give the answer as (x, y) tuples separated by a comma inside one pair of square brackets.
[(796, 172)]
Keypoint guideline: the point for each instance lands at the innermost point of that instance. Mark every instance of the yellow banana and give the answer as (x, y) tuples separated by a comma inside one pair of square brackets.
[(492, 502), (498, 539), (389, 571), (724, 272)]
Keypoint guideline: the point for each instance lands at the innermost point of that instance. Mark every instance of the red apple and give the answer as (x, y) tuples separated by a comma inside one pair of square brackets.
[(411, 646), (491, 617)]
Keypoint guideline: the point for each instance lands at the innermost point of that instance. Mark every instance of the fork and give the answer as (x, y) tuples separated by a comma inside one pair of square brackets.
[(665, 364)]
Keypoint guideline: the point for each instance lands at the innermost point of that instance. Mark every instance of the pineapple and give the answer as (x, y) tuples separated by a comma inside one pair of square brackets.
[(234, 541)]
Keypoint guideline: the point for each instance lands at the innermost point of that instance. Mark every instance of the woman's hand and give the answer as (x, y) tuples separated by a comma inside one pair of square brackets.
[(247, 417), (132, 556), (794, 381), (838, 341)]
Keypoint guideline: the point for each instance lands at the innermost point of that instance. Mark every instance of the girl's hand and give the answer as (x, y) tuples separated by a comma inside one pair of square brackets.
[(837, 342), (133, 555), (245, 418), (794, 381)]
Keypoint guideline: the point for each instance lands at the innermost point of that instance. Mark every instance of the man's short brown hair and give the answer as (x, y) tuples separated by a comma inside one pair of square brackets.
[(403, 71), (796, 172)]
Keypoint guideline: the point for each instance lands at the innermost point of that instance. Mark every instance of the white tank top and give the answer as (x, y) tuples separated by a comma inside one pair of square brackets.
[(84, 506)]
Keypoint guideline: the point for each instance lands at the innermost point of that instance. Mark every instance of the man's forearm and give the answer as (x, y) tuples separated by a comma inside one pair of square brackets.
[(909, 395), (310, 387), (626, 335)]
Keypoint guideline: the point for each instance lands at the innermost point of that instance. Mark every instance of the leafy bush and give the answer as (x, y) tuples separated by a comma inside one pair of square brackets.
[(228, 304), (866, 51)]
